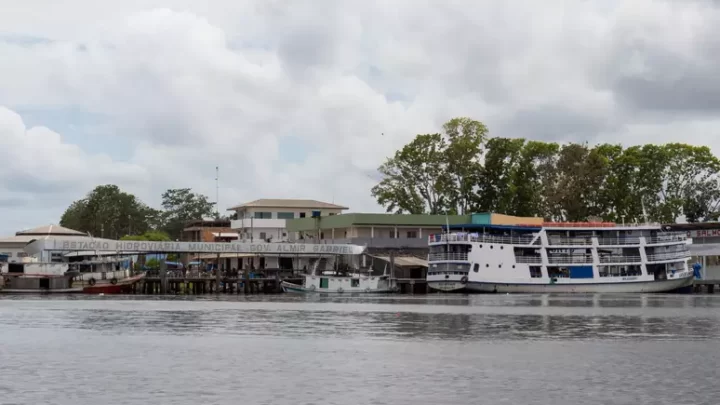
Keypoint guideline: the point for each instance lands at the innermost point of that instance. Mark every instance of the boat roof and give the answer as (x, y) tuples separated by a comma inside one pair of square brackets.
[(561, 226)]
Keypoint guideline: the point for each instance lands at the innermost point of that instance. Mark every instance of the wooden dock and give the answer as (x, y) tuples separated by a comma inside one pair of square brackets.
[(206, 283)]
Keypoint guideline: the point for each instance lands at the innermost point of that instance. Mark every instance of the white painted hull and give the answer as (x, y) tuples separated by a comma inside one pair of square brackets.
[(296, 288), (605, 288), (447, 286)]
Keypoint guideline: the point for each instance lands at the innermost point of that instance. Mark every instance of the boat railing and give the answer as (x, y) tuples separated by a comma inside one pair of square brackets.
[(560, 241), (668, 237), (620, 259), (630, 240), (681, 254), (446, 257), (528, 259), (584, 259), (479, 237)]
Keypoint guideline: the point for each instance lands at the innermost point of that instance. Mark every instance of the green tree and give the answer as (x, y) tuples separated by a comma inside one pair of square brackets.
[(414, 179), (182, 205), (496, 186), (464, 137), (534, 177), (152, 236), (108, 212)]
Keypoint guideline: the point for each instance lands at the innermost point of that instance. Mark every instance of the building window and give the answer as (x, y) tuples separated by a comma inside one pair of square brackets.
[(285, 215), (263, 236), (412, 234), (332, 213), (262, 215), (302, 215)]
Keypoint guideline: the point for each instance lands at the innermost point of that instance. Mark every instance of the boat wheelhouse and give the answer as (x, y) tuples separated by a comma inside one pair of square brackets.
[(583, 257)]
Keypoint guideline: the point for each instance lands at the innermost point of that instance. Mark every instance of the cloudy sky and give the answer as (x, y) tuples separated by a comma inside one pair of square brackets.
[(290, 98)]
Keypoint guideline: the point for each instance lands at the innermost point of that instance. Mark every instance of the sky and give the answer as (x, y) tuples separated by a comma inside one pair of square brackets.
[(306, 98)]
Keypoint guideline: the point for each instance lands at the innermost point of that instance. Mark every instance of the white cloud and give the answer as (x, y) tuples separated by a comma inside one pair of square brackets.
[(187, 86)]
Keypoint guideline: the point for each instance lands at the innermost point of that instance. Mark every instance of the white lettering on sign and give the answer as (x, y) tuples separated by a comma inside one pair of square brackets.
[(192, 247), (704, 233), (629, 278)]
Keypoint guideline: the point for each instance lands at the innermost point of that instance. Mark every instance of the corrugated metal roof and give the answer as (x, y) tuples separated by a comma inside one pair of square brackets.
[(360, 219), (288, 203), (50, 230)]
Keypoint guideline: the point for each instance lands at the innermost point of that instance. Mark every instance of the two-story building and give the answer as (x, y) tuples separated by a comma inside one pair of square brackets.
[(265, 219)]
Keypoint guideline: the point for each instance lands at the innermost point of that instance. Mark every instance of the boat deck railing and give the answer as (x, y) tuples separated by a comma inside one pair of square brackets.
[(446, 257), (479, 237), (658, 257), (620, 259)]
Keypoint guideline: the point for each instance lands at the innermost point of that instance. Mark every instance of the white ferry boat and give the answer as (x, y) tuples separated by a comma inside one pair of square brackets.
[(586, 257)]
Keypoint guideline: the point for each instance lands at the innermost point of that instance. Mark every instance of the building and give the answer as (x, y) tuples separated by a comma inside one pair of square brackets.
[(12, 247), (390, 231), (200, 230), (265, 219), (705, 246)]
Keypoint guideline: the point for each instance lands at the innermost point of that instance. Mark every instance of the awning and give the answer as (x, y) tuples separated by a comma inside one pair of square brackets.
[(404, 261)]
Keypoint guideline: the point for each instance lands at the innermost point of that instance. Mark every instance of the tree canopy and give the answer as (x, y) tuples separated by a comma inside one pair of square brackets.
[(463, 170), (110, 212)]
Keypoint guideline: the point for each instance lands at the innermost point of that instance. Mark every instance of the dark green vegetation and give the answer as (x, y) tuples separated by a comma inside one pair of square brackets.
[(110, 212), (463, 170)]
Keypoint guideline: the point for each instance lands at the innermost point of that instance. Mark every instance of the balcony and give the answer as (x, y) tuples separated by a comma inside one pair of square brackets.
[(465, 237), (248, 223), (448, 257), (630, 240), (659, 257)]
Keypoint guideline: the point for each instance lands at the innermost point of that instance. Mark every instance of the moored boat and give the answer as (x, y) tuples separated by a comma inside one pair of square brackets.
[(340, 284), (113, 286), (585, 257)]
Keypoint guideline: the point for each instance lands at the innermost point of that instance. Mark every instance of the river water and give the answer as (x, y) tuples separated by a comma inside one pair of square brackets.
[(491, 349)]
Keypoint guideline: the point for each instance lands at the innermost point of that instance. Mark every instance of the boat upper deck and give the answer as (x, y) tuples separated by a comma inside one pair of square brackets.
[(581, 234)]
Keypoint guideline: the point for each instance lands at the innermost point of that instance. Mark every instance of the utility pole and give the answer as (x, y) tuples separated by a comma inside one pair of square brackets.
[(217, 191)]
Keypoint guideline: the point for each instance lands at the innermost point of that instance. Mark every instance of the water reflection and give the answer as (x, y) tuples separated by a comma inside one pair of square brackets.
[(460, 318)]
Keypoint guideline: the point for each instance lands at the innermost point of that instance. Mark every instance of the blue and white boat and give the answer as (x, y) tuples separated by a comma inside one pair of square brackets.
[(551, 257)]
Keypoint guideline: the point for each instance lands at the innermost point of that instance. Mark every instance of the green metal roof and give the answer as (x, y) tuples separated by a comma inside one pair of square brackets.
[(348, 220)]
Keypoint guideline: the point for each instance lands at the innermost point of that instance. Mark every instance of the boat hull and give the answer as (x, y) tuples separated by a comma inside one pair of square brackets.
[(120, 287), (447, 286), (297, 288), (605, 288)]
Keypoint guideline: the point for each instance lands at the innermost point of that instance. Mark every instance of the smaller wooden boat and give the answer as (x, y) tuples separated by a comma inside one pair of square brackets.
[(113, 286), (330, 282)]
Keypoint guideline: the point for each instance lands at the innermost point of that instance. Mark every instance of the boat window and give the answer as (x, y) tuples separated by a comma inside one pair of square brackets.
[(535, 272), (323, 282), (355, 283), (476, 267)]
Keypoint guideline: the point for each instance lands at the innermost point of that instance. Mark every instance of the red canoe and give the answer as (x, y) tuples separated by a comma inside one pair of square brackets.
[(122, 286)]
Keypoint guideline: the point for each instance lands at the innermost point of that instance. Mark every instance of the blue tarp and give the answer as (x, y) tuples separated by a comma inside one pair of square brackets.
[(581, 272)]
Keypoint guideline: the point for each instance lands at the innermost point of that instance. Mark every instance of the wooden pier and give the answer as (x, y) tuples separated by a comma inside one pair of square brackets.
[(705, 286)]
